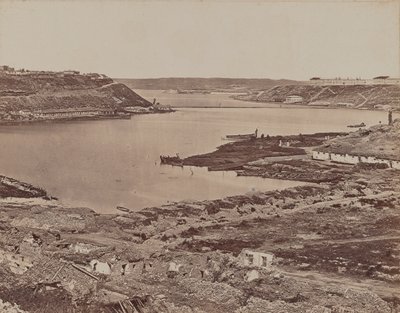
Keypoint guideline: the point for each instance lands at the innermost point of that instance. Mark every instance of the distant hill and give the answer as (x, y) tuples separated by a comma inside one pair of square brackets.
[(356, 96), (58, 90), (208, 84)]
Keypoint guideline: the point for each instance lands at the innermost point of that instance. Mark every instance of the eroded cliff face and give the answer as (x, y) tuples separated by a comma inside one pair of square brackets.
[(34, 92)]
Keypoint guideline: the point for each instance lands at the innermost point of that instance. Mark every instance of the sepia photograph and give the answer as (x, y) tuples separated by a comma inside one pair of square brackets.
[(200, 156)]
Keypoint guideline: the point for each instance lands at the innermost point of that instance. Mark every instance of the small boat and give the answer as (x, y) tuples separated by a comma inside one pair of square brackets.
[(123, 209), (357, 125), (242, 136), (171, 160)]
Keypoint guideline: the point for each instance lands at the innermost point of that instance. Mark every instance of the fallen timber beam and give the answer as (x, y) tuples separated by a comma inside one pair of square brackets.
[(84, 271)]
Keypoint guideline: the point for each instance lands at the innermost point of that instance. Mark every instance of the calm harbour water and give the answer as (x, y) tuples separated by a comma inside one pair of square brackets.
[(102, 164)]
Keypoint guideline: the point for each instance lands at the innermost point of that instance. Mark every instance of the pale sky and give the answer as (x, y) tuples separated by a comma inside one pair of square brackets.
[(254, 39)]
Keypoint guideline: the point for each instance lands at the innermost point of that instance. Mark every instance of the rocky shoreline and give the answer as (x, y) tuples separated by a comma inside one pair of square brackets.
[(126, 115)]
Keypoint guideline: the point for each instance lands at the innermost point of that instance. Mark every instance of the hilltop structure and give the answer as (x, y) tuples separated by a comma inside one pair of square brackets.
[(378, 80)]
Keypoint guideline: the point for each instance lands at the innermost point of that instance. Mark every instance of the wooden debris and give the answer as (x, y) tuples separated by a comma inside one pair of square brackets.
[(84, 271), (59, 270)]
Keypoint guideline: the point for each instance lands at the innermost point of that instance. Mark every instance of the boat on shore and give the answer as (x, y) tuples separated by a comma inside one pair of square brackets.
[(357, 125)]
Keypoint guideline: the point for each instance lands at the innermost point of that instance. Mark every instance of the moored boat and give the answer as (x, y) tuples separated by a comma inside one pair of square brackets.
[(123, 209), (242, 136), (357, 125)]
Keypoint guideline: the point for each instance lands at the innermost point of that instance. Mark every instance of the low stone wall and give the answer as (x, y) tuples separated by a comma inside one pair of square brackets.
[(344, 158), (374, 160), (318, 155)]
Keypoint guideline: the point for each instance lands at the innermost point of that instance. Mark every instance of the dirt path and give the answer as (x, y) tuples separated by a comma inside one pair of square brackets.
[(383, 289), (96, 238), (356, 240)]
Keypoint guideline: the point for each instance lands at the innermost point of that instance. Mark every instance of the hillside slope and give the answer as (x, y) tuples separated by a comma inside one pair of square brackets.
[(53, 91), (358, 96), (382, 141)]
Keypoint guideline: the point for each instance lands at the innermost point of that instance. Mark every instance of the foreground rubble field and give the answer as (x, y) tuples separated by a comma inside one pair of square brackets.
[(333, 248)]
